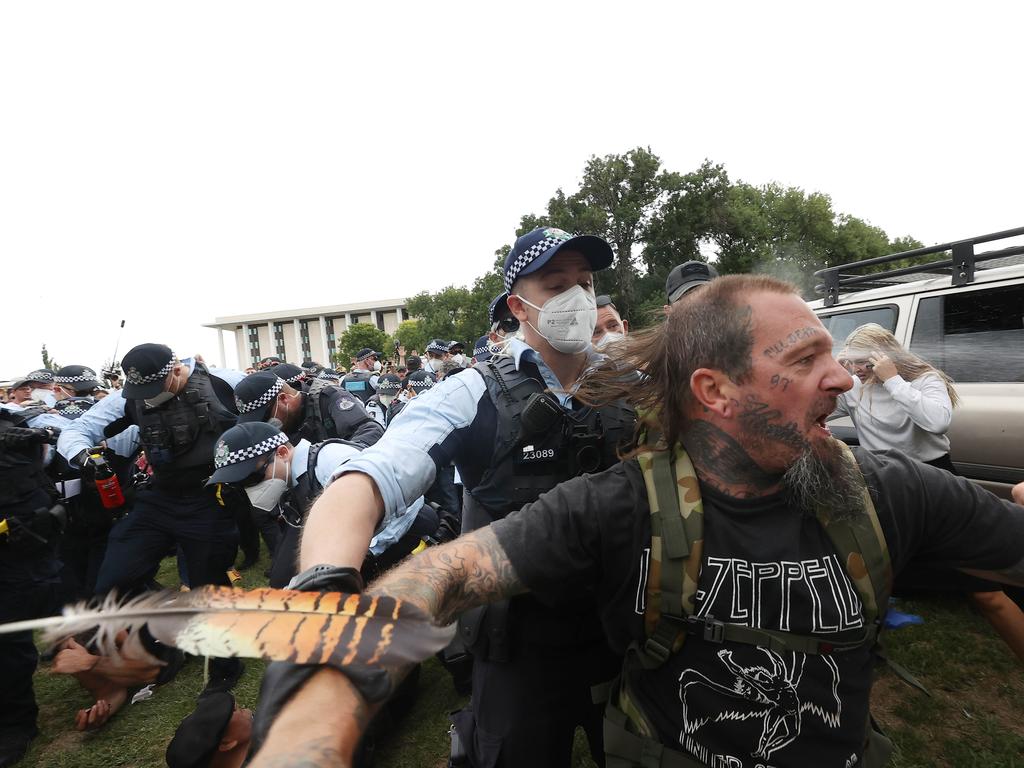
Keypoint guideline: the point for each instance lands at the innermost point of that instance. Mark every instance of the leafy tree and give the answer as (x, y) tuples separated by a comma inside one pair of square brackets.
[(410, 334), (617, 199), (48, 362), (455, 312), (357, 337)]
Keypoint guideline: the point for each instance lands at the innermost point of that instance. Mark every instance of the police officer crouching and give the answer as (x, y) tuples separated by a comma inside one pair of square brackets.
[(180, 408), (324, 413)]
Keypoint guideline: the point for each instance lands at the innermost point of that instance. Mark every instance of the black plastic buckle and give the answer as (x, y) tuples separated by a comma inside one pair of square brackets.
[(714, 631)]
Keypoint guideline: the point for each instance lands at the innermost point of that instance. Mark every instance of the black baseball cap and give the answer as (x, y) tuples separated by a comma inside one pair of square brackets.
[(413, 363), (255, 394), (498, 309), (452, 346), (145, 370), (535, 249), (604, 300), (79, 377), (687, 276), (41, 375), (199, 734), (238, 451)]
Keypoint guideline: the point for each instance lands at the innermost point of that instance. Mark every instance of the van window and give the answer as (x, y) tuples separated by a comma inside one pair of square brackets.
[(973, 335), (841, 324)]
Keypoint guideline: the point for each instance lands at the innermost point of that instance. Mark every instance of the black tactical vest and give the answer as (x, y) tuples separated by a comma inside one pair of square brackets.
[(179, 437), (358, 384), (21, 467), (538, 443)]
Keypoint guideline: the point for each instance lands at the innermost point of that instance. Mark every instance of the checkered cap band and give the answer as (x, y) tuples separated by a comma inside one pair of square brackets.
[(222, 459), (438, 348), (71, 409), (262, 400), (421, 384), (134, 377), (296, 378), (531, 253), (325, 374), (87, 375)]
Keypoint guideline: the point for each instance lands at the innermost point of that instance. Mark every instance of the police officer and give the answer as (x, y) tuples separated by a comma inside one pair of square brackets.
[(437, 353), (388, 387), (456, 350), (513, 430), (84, 543), (36, 386), (503, 323), (361, 381), (29, 568), (323, 413), (180, 407), (481, 350), (286, 479)]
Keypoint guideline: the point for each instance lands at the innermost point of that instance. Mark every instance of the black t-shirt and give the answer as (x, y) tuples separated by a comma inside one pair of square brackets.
[(763, 565)]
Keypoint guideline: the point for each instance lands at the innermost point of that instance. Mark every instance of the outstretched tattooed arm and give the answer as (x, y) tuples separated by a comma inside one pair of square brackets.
[(445, 581)]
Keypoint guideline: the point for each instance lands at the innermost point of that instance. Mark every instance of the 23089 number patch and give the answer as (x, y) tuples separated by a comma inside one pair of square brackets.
[(537, 454)]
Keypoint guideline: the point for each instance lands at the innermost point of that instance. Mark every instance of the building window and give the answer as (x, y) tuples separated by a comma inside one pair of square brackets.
[(380, 320), (279, 341), (304, 340), (405, 314), (329, 326), (254, 344)]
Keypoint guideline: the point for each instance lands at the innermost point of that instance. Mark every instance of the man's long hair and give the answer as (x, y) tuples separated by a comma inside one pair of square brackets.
[(709, 327)]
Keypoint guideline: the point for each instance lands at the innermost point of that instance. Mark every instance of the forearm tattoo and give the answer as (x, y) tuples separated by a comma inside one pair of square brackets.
[(447, 580), (319, 753)]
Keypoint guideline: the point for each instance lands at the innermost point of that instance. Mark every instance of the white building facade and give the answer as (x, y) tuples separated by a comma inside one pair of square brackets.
[(299, 335)]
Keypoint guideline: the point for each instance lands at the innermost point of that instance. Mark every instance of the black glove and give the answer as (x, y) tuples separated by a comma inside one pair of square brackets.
[(19, 437), (282, 678)]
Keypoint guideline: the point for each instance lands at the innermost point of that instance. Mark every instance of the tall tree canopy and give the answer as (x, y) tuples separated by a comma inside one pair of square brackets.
[(655, 218)]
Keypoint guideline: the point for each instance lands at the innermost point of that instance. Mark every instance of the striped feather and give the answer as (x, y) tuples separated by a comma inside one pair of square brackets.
[(331, 628)]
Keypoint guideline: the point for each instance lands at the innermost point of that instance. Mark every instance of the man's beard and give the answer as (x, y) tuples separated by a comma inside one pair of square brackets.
[(824, 478)]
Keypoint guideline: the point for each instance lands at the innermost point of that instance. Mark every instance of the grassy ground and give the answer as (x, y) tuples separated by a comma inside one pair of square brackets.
[(972, 719)]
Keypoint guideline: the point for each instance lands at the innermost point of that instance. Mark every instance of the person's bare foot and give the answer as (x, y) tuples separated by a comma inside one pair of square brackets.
[(98, 714)]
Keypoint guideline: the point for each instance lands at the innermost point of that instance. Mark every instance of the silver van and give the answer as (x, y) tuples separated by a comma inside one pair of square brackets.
[(966, 318)]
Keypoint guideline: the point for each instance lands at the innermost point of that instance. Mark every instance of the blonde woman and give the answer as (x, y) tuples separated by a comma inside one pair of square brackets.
[(900, 401)]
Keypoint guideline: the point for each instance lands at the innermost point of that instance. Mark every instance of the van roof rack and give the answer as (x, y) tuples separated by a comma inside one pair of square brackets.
[(960, 265)]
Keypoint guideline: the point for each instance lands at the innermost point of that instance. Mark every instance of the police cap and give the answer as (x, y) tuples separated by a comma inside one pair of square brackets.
[(239, 450), (145, 370), (255, 394)]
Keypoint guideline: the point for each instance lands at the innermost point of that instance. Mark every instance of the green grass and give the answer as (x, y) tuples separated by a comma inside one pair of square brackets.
[(972, 719)]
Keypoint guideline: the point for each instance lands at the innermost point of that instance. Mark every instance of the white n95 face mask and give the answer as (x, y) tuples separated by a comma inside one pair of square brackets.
[(567, 320), (609, 338), (435, 364), (266, 494), (44, 396), (376, 365)]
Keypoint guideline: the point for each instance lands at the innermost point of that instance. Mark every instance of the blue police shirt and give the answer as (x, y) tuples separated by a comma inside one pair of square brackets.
[(454, 422)]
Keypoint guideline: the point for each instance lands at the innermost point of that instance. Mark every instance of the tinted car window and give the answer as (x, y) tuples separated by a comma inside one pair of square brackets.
[(841, 324), (973, 336)]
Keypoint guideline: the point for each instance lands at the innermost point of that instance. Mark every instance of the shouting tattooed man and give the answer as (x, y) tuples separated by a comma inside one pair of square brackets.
[(742, 378)]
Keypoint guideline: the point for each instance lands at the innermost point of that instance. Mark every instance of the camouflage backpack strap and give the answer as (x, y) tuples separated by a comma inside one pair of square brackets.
[(861, 547), (677, 539)]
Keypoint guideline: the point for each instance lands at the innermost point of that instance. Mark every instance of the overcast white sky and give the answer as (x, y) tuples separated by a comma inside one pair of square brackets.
[(167, 163)]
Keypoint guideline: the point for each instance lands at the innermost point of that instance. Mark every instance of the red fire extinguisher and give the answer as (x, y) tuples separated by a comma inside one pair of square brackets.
[(106, 482)]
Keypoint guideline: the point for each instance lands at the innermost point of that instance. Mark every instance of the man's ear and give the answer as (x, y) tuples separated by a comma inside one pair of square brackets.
[(226, 745), (714, 391), (625, 326), (517, 307)]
